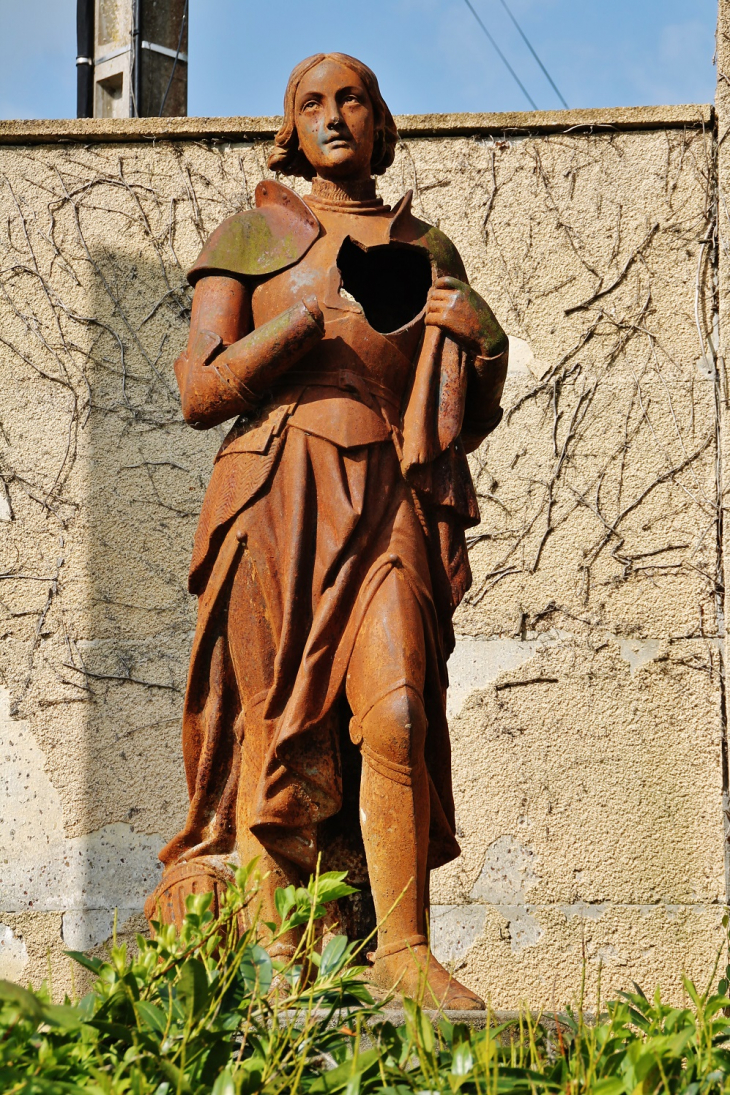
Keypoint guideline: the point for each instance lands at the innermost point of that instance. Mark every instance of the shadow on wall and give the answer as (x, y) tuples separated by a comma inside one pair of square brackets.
[(100, 774), (100, 490), (145, 476), (101, 487)]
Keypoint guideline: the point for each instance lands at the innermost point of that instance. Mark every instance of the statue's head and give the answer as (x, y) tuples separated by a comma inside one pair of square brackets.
[(336, 122)]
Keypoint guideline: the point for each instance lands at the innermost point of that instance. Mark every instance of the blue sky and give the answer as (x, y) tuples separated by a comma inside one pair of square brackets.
[(430, 55)]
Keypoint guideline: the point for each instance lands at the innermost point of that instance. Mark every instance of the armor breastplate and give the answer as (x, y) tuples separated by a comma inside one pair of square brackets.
[(355, 378)]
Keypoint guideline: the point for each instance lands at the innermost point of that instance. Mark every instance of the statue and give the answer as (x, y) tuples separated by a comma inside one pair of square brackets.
[(330, 555)]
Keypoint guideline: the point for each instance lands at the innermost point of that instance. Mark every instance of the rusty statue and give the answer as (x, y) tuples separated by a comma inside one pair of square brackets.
[(360, 368)]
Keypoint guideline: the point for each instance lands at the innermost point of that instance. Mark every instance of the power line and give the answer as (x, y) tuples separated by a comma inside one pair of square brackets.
[(517, 80), (180, 46), (527, 42)]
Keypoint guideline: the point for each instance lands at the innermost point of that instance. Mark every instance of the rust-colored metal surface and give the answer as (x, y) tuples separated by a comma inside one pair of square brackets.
[(360, 367)]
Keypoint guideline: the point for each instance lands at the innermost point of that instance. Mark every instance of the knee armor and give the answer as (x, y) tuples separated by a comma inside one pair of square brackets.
[(391, 732)]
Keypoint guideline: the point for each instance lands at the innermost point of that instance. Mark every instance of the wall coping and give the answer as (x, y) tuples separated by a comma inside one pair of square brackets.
[(604, 119)]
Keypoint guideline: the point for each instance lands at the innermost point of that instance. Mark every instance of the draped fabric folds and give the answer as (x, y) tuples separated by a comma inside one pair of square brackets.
[(295, 570)]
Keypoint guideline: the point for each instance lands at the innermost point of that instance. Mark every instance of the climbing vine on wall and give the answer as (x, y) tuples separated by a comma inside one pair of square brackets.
[(599, 491)]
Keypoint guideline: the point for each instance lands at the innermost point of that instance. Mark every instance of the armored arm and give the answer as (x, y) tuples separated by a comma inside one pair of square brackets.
[(227, 366), (486, 377), (459, 310)]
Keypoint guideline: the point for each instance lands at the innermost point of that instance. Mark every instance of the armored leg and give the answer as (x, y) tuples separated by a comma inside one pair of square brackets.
[(394, 810), (385, 691)]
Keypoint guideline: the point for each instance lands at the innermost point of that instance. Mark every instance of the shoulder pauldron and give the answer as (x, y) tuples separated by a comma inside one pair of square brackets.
[(260, 241)]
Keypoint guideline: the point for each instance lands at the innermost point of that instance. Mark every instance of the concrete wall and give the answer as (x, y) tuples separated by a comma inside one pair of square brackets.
[(587, 703)]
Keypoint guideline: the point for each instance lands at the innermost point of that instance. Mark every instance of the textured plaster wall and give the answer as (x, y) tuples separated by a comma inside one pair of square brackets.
[(587, 689)]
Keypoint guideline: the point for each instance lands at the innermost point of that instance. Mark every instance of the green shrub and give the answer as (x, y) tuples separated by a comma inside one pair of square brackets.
[(206, 1011)]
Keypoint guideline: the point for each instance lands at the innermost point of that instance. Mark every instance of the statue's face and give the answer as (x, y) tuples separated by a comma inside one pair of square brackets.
[(335, 122)]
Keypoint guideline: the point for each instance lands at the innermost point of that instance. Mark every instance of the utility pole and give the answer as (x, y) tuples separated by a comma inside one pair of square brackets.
[(132, 58)]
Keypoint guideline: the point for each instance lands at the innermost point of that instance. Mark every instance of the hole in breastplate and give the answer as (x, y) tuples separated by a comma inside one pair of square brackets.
[(390, 282)]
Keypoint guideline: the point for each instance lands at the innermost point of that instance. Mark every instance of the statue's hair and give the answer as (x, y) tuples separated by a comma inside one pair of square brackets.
[(288, 158)]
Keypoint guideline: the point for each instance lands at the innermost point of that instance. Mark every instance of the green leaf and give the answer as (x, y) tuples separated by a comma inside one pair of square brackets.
[(353, 1084), (63, 1015), (691, 990), (612, 1085), (462, 1062), (173, 1073), (152, 1016), (86, 1006), (330, 886), (198, 903), (242, 874), (338, 1079), (27, 1001), (93, 964), (418, 1025), (224, 1085), (333, 955), (256, 968), (118, 1032), (284, 899), (192, 985)]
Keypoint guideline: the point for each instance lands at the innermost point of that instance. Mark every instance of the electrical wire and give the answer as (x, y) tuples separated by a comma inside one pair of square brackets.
[(177, 56), (507, 65), (136, 83), (527, 42)]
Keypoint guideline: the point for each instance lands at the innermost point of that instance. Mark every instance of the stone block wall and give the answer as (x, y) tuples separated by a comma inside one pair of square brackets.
[(587, 688)]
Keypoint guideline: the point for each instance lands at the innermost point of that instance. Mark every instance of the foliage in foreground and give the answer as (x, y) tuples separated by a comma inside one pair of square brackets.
[(207, 1012)]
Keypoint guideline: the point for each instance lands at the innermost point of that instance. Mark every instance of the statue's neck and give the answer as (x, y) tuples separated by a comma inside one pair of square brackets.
[(344, 190)]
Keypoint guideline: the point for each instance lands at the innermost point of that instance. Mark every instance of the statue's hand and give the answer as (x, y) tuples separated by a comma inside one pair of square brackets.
[(459, 311)]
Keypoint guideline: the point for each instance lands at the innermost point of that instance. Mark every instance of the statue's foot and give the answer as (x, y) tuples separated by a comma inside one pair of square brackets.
[(411, 969)]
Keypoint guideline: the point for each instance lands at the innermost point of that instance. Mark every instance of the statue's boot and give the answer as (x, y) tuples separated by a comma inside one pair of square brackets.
[(410, 967), (395, 817)]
